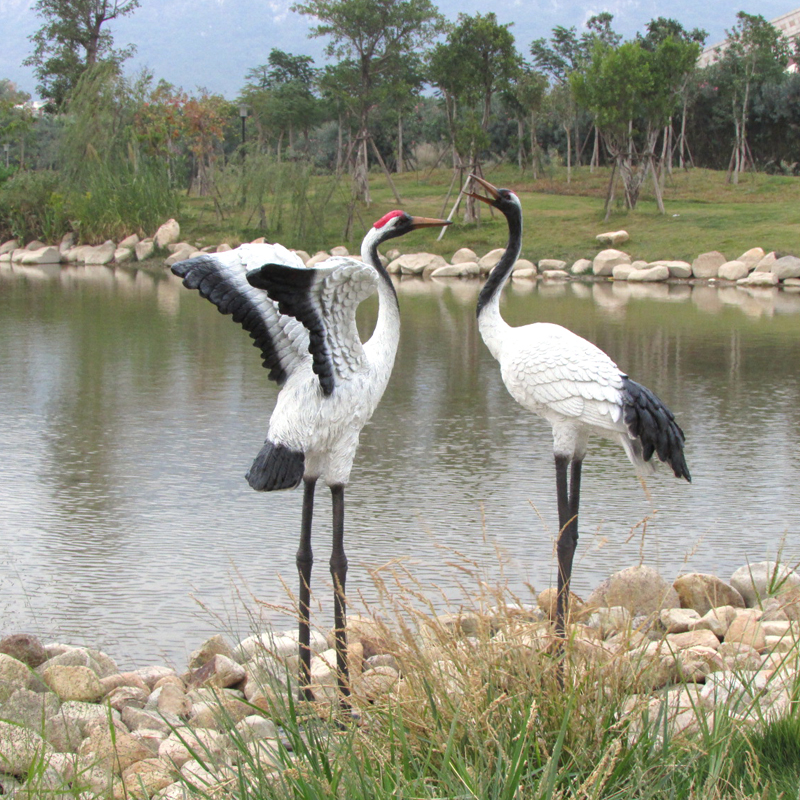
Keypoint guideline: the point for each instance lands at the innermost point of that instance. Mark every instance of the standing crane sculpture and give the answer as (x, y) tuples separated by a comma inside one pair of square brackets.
[(577, 388), (303, 320)]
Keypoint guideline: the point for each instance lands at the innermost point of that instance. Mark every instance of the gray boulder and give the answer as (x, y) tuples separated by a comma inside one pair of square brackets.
[(786, 267), (702, 592), (707, 265), (640, 589), (756, 582), (751, 258), (25, 648), (168, 233), (605, 261), (733, 271)]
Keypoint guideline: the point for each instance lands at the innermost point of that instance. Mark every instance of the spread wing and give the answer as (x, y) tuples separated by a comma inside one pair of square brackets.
[(325, 300), (222, 279)]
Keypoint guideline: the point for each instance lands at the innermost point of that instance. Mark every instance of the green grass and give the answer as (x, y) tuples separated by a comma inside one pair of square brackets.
[(561, 220)]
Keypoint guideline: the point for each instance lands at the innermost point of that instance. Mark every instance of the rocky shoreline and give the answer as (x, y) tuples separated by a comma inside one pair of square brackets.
[(72, 724), (755, 267)]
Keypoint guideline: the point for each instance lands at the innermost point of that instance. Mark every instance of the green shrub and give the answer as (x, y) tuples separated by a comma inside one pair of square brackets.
[(32, 207)]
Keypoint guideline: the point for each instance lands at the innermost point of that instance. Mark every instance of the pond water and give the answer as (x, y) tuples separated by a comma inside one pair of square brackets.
[(130, 410)]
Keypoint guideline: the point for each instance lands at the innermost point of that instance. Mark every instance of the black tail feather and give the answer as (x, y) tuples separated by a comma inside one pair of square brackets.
[(276, 467), (653, 424)]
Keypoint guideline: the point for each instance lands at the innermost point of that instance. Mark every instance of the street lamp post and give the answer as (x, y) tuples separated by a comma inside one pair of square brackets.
[(243, 115)]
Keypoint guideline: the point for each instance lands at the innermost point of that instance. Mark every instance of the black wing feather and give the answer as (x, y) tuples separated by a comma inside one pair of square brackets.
[(291, 289), (209, 277), (653, 424)]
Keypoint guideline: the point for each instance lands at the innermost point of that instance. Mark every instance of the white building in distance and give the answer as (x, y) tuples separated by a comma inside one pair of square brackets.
[(788, 24)]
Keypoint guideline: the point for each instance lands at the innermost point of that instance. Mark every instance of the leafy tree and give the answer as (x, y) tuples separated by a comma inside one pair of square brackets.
[(523, 99), (632, 91), (658, 30), (281, 96), (477, 61), (567, 54), (16, 121), (755, 53), (372, 35), (71, 40)]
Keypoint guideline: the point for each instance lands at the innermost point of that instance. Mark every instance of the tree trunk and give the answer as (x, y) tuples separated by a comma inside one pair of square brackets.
[(595, 162), (682, 157), (568, 131), (521, 144), (361, 171), (399, 159), (339, 148)]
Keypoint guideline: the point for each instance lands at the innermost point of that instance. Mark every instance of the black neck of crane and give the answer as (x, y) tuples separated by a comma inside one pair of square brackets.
[(497, 277)]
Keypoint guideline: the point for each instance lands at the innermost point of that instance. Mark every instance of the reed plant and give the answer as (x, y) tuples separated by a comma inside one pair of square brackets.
[(488, 708)]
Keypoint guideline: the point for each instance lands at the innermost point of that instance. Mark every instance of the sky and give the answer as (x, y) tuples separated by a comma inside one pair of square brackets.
[(211, 44)]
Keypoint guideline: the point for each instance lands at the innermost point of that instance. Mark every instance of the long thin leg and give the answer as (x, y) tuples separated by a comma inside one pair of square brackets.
[(565, 546), (305, 560), (339, 575)]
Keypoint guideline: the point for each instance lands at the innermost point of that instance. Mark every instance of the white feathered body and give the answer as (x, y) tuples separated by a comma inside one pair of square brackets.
[(327, 428), (564, 379)]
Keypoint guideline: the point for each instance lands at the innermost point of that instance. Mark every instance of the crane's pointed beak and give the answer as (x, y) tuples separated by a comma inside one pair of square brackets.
[(494, 195), (428, 222)]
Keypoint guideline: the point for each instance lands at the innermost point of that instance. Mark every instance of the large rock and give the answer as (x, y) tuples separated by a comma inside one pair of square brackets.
[(605, 261), (464, 256), (751, 258), (733, 271), (677, 269), (717, 620), (45, 255), (20, 749), (114, 753), (462, 270), (9, 246), (621, 271), (786, 267), (765, 265), (25, 648), (764, 579), (581, 266), (612, 238), (13, 675), (640, 589), (490, 259), (215, 646), (29, 708), (552, 264), (73, 683), (220, 672), (759, 279), (146, 777), (649, 275), (703, 592), (746, 629), (144, 249), (416, 264), (524, 265), (100, 255), (168, 233), (707, 265)]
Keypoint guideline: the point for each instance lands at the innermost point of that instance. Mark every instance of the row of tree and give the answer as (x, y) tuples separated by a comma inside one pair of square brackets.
[(400, 75)]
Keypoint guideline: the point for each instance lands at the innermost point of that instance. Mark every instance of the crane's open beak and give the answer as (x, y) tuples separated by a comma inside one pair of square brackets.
[(494, 195), (428, 222)]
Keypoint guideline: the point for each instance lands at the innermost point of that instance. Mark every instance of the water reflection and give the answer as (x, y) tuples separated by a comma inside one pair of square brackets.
[(130, 410)]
